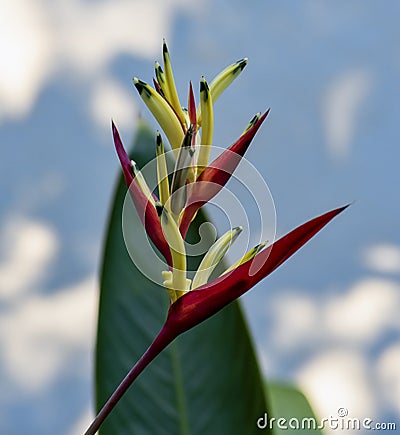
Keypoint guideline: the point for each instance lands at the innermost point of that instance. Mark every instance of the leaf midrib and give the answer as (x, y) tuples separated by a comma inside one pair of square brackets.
[(179, 390)]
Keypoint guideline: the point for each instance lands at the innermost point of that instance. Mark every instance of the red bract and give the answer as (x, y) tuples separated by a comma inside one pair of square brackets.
[(192, 106), (146, 211), (200, 304), (216, 175)]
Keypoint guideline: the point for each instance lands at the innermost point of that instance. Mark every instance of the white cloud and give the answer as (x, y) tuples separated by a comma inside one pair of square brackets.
[(340, 331), (295, 319), (338, 379), (389, 375), (383, 258), (40, 336), (364, 313), (28, 248), (110, 100), (342, 102), (39, 333), (359, 316), (40, 38), (91, 34), (25, 50)]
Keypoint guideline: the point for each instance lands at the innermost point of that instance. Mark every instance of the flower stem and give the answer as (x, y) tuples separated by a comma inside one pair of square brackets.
[(163, 339)]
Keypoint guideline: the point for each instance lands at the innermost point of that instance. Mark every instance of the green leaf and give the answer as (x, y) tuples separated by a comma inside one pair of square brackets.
[(289, 403), (206, 382)]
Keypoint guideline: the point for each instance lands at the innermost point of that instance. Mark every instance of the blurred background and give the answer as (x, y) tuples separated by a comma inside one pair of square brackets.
[(329, 319)]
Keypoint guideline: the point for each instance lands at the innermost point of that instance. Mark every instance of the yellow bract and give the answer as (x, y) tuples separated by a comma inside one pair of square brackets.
[(214, 256), (222, 81), (163, 113), (246, 257), (207, 126), (162, 172), (170, 84), (178, 283)]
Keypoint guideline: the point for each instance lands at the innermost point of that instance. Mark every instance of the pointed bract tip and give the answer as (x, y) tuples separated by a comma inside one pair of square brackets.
[(192, 105), (242, 62), (164, 48), (236, 232), (138, 82), (262, 245), (203, 85), (239, 66), (255, 123), (142, 86), (191, 101), (204, 89), (340, 209), (122, 154), (263, 116), (138, 85), (255, 118)]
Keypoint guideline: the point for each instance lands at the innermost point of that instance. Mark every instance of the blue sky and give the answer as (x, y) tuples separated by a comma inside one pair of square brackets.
[(329, 71)]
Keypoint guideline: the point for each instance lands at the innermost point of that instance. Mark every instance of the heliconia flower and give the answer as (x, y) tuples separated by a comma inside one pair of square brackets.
[(194, 183)]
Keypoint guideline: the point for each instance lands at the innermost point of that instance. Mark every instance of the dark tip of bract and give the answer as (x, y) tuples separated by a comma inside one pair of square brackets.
[(187, 140), (139, 85), (255, 118), (347, 205), (203, 85), (158, 68), (158, 139), (159, 208), (240, 64), (164, 48)]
